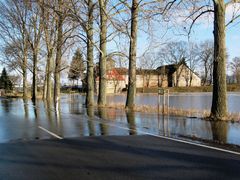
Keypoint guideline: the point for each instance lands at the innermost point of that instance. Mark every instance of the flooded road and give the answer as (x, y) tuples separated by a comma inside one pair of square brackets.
[(21, 120)]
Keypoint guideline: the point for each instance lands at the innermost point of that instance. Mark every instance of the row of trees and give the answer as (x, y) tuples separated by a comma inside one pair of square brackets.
[(37, 34), (234, 66), (28, 33), (198, 56)]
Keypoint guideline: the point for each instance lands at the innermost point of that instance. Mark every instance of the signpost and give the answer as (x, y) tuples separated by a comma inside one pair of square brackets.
[(164, 93), (165, 96)]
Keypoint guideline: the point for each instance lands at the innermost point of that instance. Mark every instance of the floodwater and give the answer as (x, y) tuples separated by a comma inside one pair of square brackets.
[(200, 101), (23, 120)]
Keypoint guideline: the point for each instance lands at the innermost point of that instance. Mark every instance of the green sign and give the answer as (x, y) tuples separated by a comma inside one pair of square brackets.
[(161, 91)]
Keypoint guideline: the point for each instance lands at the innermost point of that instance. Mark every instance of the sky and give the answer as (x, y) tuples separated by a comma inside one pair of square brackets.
[(202, 31)]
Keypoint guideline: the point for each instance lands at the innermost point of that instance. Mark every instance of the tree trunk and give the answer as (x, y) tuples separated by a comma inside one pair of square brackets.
[(45, 82), (219, 99), (48, 76), (205, 74), (132, 56), (47, 92), (45, 86), (219, 131), (58, 55), (191, 78), (24, 69), (103, 54), (24, 66), (34, 79), (90, 64), (131, 118)]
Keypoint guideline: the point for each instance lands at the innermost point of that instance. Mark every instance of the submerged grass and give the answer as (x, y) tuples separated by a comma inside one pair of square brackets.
[(194, 113), (230, 88)]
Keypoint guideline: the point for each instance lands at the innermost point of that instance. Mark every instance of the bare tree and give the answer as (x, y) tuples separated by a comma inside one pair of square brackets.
[(193, 61), (49, 28), (175, 54), (103, 53), (13, 23), (58, 60), (206, 59), (90, 63), (132, 56), (235, 67), (34, 34), (148, 62), (218, 7), (58, 38)]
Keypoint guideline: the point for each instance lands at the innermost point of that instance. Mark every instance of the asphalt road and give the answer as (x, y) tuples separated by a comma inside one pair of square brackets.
[(114, 157)]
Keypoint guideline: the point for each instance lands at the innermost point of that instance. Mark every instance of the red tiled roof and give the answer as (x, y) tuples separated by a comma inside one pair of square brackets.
[(114, 74), (122, 71)]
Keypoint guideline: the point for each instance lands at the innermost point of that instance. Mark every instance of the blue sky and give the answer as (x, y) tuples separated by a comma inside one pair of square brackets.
[(202, 30), (200, 33)]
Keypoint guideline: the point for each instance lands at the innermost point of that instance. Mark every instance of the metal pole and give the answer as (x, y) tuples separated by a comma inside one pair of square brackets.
[(168, 101), (163, 102), (159, 101)]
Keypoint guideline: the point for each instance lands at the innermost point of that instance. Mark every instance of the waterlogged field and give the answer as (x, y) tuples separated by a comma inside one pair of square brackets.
[(199, 101), (23, 120)]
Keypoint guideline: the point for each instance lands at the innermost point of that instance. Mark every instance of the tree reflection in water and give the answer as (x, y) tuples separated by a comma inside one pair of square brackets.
[(35, 109), (57, 109), (49, 110), (7, 105), (36, 115), (103, 114), (26, 110), (74, 104), (91, 128)]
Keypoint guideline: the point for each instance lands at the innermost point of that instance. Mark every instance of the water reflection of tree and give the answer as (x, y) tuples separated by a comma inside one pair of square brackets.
[(26, 110), (74, 104), (35, 109), (103, 114), (26, 134), (219, 131), (36, 115), (57, 108), (131, 122), (49, 111), (7, 105), (90, 113)]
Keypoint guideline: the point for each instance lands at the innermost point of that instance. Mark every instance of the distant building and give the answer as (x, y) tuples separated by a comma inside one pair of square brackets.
[(164, 76), (179, 75), (115, 80)]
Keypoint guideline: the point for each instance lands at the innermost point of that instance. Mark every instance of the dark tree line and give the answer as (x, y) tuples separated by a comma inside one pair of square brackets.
[(5, 82)]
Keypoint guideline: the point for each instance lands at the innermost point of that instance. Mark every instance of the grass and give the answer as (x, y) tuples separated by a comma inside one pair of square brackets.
[(230, 88), (234, 117)]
